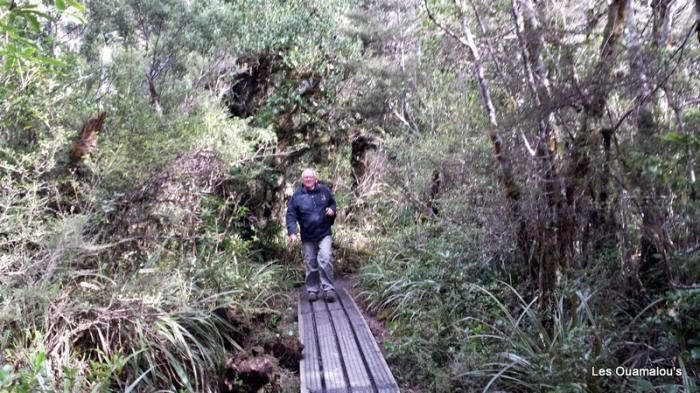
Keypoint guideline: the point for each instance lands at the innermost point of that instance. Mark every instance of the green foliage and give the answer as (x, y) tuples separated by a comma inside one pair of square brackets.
[(112, 313), (537, 351), (87, 305), (151, 327), (294, 24), (678, 320), (454, 325), (32, 67), (23, 45), (35, 376), (419, 280)]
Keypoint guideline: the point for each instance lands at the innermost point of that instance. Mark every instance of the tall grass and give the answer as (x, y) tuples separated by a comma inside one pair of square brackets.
[(154, 327), (456, 327), (157, 326), (82, 311), (538, 350), (555, 349)]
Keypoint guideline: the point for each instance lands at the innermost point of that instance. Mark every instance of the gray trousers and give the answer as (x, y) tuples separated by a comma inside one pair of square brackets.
[(319, 267)]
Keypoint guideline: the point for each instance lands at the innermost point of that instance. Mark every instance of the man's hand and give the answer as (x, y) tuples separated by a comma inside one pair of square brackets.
[(330, 212), (292, 238)]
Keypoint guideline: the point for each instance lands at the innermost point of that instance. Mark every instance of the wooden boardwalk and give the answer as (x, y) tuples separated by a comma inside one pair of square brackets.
[(340, 354)]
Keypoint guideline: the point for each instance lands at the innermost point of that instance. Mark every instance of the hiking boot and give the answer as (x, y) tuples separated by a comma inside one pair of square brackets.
[(313, 296), (330, 296)]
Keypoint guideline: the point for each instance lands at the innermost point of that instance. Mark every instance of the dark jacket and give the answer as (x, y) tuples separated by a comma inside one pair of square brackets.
[(308, 208)]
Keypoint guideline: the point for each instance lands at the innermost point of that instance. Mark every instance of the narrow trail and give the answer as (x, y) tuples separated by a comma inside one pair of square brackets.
[(340, 353)]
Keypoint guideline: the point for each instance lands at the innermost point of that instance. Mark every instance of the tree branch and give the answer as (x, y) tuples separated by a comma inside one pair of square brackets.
[(638, 102), (444, 28)]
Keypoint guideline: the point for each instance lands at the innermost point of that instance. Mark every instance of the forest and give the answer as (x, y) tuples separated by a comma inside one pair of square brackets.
[(515, 180)]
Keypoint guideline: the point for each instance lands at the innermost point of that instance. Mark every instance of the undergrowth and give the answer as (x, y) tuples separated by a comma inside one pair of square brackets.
[(456, 326), (157, 285)]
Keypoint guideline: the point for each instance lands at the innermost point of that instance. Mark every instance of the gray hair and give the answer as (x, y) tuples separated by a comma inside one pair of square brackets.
[(309, 171)]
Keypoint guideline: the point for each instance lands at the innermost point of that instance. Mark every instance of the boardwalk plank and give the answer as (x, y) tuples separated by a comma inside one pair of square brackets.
[(332, 369), (309, 366), (353, 360), (340, 328), (310, 373), (304, 305), (375, 359)]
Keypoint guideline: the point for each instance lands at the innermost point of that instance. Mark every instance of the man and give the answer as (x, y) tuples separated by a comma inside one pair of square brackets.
[(313, 206)]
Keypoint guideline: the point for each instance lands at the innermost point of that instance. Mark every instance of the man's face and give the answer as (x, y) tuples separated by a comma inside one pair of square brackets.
[(309, 181)]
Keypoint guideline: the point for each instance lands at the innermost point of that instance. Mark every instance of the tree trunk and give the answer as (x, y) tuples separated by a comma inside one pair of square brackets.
[(511, 189), (434, 192), (697, 18), (557, 236), (87, 141), (662, 22), (617, 15), (361, 143), (653, 244), (155, 97), (586, 162)]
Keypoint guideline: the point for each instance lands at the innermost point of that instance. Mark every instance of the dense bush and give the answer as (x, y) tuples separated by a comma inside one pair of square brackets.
[(516, 184), (143, 265), (587, 257)]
